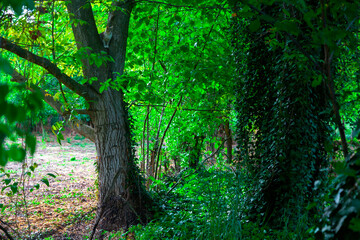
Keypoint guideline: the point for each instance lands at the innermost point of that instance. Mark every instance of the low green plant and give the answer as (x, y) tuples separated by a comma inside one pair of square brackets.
[(196, 205), (77, 137), (16, 189), (209, 204), (81, 144)]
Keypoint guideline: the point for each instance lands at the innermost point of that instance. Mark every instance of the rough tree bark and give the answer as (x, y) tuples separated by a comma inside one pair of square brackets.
[(123, 200)]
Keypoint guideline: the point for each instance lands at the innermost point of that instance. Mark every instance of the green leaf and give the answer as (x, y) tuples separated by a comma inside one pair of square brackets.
[(3, 157), (14, 188), (286, 12), (46, 181), (52, 175), (59, 137), (30, 141), (7, 181), (4, 90), (316, 82), (33, 167), (17, 154), (102, 88)]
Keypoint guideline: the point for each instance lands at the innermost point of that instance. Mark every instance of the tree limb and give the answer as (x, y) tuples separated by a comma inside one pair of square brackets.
[(181, 6), (76, 124), (121, 19), (81, 90), (86, 36), (6, 233), (217, 150)]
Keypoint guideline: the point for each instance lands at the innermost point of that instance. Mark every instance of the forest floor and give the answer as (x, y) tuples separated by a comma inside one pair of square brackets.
[(66, 208)]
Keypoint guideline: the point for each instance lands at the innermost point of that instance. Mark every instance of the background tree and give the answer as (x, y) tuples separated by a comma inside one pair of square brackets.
[(90, 80), (122, 201), (284, 99)]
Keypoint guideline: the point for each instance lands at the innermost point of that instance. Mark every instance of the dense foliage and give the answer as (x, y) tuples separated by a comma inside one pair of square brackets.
[(166, 97)]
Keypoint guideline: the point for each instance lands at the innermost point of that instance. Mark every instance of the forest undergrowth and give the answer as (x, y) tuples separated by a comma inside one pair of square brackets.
[(209, 204), (206, 203)]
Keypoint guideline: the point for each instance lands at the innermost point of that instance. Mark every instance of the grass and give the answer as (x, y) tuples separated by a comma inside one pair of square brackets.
[(53, 206)]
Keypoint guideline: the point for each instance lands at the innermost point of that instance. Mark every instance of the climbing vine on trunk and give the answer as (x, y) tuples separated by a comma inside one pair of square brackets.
[(283, 113)]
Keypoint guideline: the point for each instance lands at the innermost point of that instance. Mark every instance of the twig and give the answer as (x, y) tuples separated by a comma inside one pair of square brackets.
[(7, 234), (11, 228), (185, 109), (163, 137), (177, 183), (195, 66), (212, 155), (143, 137), (22, 179)]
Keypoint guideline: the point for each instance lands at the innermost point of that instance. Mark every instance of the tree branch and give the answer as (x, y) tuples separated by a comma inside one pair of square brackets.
[(81, 90), (86, 35), (76, 124), (181, 6), (121, 19), (6, 233)]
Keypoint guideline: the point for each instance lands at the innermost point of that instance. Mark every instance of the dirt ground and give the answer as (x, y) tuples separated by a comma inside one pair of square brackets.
[(66, 208)]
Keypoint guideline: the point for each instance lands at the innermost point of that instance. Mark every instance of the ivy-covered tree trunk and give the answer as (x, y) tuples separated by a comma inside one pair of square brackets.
[(282, 122)]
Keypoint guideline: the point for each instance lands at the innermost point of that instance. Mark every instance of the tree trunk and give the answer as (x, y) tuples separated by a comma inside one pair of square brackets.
[(121, 196), (123, 200)]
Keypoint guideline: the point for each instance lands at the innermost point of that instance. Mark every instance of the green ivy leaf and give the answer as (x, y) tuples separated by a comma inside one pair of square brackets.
[(14, 188)]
